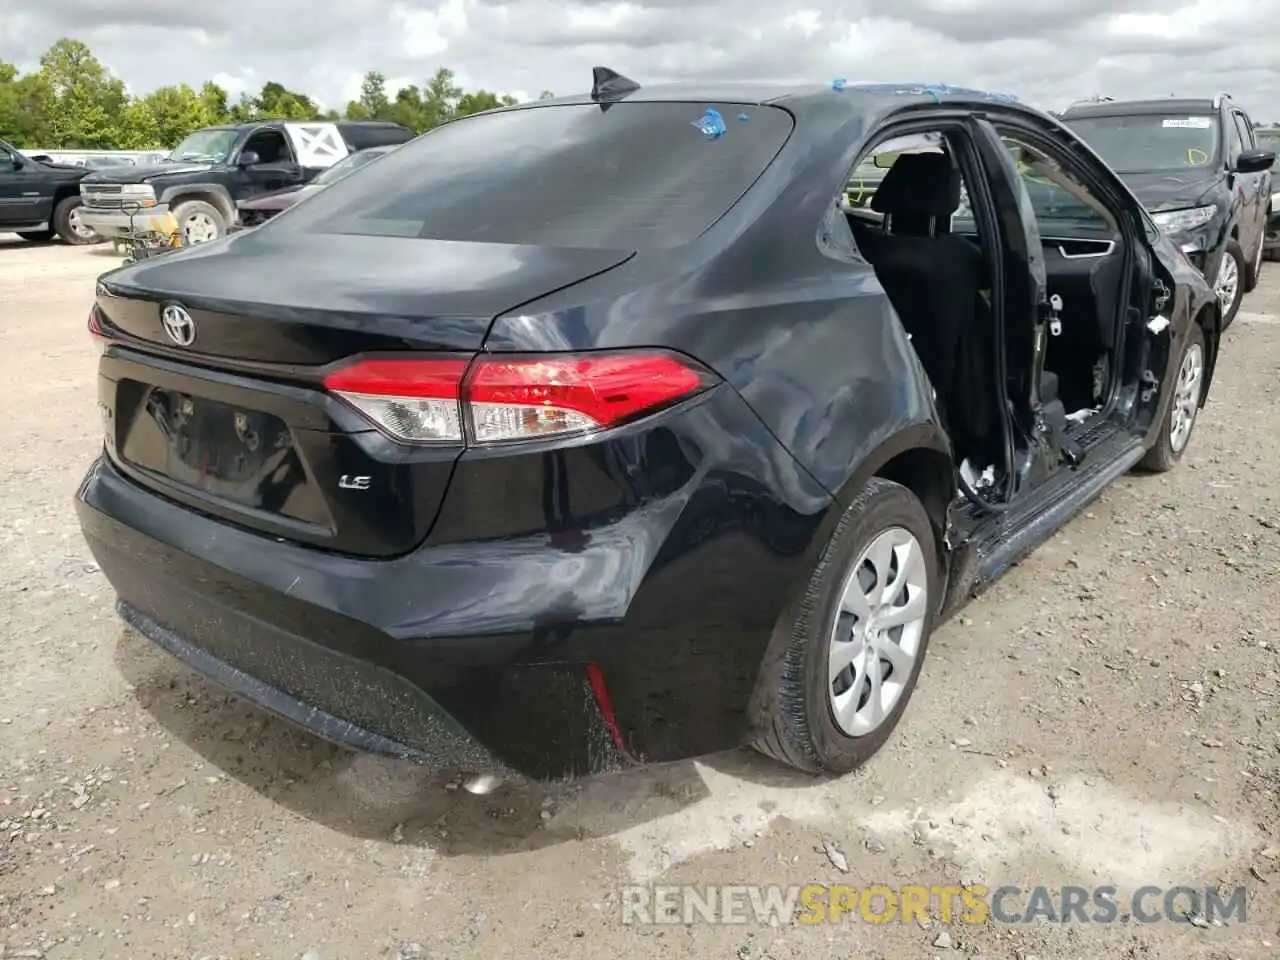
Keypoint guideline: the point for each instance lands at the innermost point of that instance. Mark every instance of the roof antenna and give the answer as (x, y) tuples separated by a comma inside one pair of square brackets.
[(607, 84)]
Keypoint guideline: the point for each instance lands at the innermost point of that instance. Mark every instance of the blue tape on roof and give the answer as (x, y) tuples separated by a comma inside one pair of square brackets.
[(936, 90), (711, 124)]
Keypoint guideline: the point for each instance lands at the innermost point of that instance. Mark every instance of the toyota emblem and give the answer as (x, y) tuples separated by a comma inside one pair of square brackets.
[(178, 325)]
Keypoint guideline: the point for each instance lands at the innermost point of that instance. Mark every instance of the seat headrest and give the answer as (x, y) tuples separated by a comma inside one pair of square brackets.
[(919, 185)]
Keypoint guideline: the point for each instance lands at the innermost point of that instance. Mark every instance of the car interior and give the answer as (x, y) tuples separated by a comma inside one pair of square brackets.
[(917, 232), (938, 282)]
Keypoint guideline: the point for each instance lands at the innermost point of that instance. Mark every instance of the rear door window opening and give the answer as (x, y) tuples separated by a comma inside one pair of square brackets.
[(915, 225)]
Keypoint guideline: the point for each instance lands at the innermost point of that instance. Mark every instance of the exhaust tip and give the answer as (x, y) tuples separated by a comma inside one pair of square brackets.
[(481, 784)]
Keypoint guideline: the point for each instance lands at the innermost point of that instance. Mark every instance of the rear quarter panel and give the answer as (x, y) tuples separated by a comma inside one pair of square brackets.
[(799, 327)]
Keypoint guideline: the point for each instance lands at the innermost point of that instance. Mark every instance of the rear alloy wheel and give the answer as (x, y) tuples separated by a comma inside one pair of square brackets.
[(1228, 283), (856, 639), (69, 226), (1184, 407), (199, 222)]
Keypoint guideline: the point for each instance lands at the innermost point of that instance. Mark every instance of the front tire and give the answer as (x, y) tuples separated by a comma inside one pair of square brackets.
[(855, 639), (67, 225), (1184, 407), (199, 222), (1229, 283)]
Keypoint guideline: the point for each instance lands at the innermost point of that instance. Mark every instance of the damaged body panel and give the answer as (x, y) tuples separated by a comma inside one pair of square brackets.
[(571, 449)]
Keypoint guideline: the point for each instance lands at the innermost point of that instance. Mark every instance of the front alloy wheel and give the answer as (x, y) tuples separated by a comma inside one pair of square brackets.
[(1186, 396), (1228, 283)]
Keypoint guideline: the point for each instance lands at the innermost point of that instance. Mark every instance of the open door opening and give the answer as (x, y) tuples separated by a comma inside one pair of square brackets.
[(913, 221)]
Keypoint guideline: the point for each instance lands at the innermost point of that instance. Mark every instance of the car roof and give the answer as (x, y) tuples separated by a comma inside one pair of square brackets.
[(862, 98), (1155, 105)]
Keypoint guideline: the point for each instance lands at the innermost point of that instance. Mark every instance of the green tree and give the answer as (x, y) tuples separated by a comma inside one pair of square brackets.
[(245, 110), (214, 99), (136, 128), (546, 95), (177, 111), (278, 102), (374, 104), (440, 99), (73, 100), (87, 98), (408, 109)]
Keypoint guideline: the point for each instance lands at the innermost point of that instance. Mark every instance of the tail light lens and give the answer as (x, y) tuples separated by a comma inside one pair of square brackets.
[(96, 333), (500, 398)]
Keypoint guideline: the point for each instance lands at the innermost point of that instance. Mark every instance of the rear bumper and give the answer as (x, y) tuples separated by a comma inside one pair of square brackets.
[(549, 654)]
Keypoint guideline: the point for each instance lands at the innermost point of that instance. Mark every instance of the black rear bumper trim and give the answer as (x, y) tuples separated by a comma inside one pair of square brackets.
[(310, 718)]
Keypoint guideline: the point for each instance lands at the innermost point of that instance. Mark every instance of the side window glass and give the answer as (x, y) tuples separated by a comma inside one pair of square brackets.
[(1237, 142), (1061, 203), (1246, 131)]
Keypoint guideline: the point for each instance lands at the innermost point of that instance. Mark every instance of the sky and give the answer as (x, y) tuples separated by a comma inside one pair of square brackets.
[(1043, 52)]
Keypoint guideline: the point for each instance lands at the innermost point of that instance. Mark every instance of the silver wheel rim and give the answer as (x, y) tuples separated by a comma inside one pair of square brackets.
[(78, 227), (1228, 281), (875, 640), (199, 228), (1186, 397)]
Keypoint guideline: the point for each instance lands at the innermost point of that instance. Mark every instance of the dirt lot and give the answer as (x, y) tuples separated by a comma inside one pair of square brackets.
[(1107, 714)]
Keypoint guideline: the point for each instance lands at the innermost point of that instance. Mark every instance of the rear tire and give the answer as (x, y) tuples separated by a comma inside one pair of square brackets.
[(814, 720), (37, 236), (67, 227), (199, 222), (1184, 407)]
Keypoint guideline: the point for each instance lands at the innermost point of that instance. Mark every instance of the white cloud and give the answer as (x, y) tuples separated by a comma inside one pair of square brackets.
[(1047, 54)]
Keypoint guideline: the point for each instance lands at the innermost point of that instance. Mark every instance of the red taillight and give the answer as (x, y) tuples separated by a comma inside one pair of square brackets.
[(412, 400), (505, 398), (95, 330)]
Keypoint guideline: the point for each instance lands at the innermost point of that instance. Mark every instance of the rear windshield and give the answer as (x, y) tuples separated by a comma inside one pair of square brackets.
[(633, 176), (1142, 143)]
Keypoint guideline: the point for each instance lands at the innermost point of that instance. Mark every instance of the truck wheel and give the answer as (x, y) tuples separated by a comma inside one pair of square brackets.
[(67, 225), (199, 222), (37, 236)]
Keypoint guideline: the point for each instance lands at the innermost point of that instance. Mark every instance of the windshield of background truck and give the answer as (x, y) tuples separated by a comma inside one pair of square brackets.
[(1143, 143), (205, 146)]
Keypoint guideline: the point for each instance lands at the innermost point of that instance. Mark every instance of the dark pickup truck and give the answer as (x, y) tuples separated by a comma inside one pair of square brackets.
[(212, 170), (40, 199), (1197, 167)]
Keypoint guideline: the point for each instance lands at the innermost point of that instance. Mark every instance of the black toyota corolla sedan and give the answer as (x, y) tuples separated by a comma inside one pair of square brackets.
[(600, 431)]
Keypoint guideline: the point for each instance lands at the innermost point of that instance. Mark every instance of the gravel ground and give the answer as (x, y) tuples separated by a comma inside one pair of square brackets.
[(1106, 714)]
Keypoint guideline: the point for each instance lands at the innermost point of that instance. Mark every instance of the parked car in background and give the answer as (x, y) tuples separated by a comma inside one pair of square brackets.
[(1269, 139), (207, 174), (40, 199), (1196, 165), (599, 431), (259, 210)]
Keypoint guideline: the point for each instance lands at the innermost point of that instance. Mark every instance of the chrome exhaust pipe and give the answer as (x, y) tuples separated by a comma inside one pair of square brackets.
[(481, 784)]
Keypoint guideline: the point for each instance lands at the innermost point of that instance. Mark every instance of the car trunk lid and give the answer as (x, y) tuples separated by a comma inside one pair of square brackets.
[(235, 422)]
